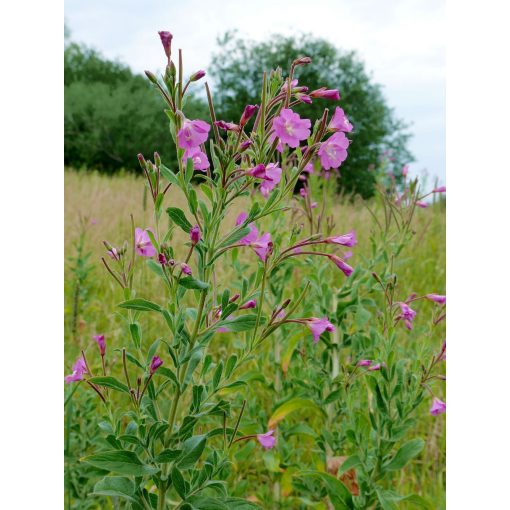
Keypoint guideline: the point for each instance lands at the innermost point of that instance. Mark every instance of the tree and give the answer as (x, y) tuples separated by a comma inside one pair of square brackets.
[(237, 69), (112, 114)]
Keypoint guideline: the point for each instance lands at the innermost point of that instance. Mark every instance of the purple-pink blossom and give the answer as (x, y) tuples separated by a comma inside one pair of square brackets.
[(101, 343), (156, 362), (318, 326), (262, 246), (438, 407), (197, 76), (421, 204), (339, 121), (199, 158), (290, 128), (437, 298), (79, 368), (407, 315), (375, 367), (185, 268), (193, 133), (194, 234), (241, 218), (248, 113), (143, 245), (249, 304), (364, 363), (271, 179), (441, 189), (267, 440), (333, 152), (166, 41), (341, 264), (344, 240), (227, 126)]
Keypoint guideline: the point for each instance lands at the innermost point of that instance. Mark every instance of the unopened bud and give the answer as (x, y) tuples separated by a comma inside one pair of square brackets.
[(152, 77), (286, 303), (248, 113), (245, 145), (194, 234), (234, 298), (303, 61), (142, 161), (197, 76), (157, 158), (166, 41)]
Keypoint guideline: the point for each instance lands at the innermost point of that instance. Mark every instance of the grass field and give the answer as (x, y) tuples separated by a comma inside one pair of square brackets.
[(104, 204)]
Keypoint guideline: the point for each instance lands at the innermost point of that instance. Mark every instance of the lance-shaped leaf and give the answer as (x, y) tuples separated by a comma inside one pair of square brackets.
[(179, 218), (192, 448), (116, 486), (405, 453), (140, 304), (109, 382), (291, 406), (120, 461)]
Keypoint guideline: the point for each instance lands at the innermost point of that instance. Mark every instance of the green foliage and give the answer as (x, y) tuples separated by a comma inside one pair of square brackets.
[(237, 71)]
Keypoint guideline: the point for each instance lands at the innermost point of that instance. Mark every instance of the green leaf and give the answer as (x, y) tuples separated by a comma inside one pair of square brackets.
[(337, 491), (292, 405), (387, 499), (191, 283), (140, 304), (178, 482), (350, 463), (179, 218), (235, 236), (167, 456), (109, 382), (241, 323), (120, 461), (192, 448), (136, 333), (116, 486), (189, 170), (169, 175), (405, 453)]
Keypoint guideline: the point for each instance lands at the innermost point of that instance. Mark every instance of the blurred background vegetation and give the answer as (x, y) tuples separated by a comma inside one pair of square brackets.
[(111, 114)]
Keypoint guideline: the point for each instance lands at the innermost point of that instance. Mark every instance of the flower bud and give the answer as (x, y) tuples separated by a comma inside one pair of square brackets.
[(197, 76), (142, 161), (324, 93), (166, 41), (155, 364), (194, 234), (157, 159), (227, 126), (249, 304), (245, 145), (234, 298), (405, 170), (303, 61), (248, 113), (152, 77), (441, 189), (303, 98), (162, 259), (185, 268), (100, 343)]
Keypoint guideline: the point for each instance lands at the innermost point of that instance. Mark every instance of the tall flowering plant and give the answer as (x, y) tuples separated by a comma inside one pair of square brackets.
[(171, 420)]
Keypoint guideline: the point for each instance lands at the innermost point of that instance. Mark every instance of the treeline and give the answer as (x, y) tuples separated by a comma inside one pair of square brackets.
[(111, 114)]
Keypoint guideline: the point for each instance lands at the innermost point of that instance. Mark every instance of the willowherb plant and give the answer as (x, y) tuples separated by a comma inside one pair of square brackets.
[(173, 406)]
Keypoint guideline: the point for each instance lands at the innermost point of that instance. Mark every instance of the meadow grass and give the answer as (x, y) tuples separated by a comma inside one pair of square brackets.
[(105, 204)]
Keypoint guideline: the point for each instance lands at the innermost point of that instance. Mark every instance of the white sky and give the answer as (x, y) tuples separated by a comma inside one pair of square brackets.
[(401, 41)]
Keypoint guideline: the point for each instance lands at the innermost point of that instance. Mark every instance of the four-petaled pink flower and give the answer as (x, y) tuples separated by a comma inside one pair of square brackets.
[(267, 440), (199, 158), (345, 240), (79, 368), (192, 133), (155, 364), (318, 326), (325, 93), (194, 234), (143, 245), (290, 128), (262, 246), (437, 298), (271, 179), (101, 343), (341, 264), (340, 122), (332, 152), (407, 315), (438, 407)]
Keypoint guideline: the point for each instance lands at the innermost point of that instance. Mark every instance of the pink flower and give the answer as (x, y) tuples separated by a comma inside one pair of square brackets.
[(437, 298), (441, 189), (345, 240), (262, 246), (258, 171), (325, 93), (100, 343), (200, 161), (79, 368), (293, 84), (194, 234), (308, 168), (303, 98), (143, 245), (343, 266), (245, 145), (162, 259), (271, 179), (303, 192), (241, 218), (155, 364), (166, 41), (438, 407), (249, 304), (267, 440), (340, 122), (407, 315), (113, 253), (290, 128), (405, 169), (248, 113), (377, 366), (185, 268), (421, 204), (252, 236), (227, 126), (318, 326), (313, 205), (333, 151), (364, 363), (192, 133)]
